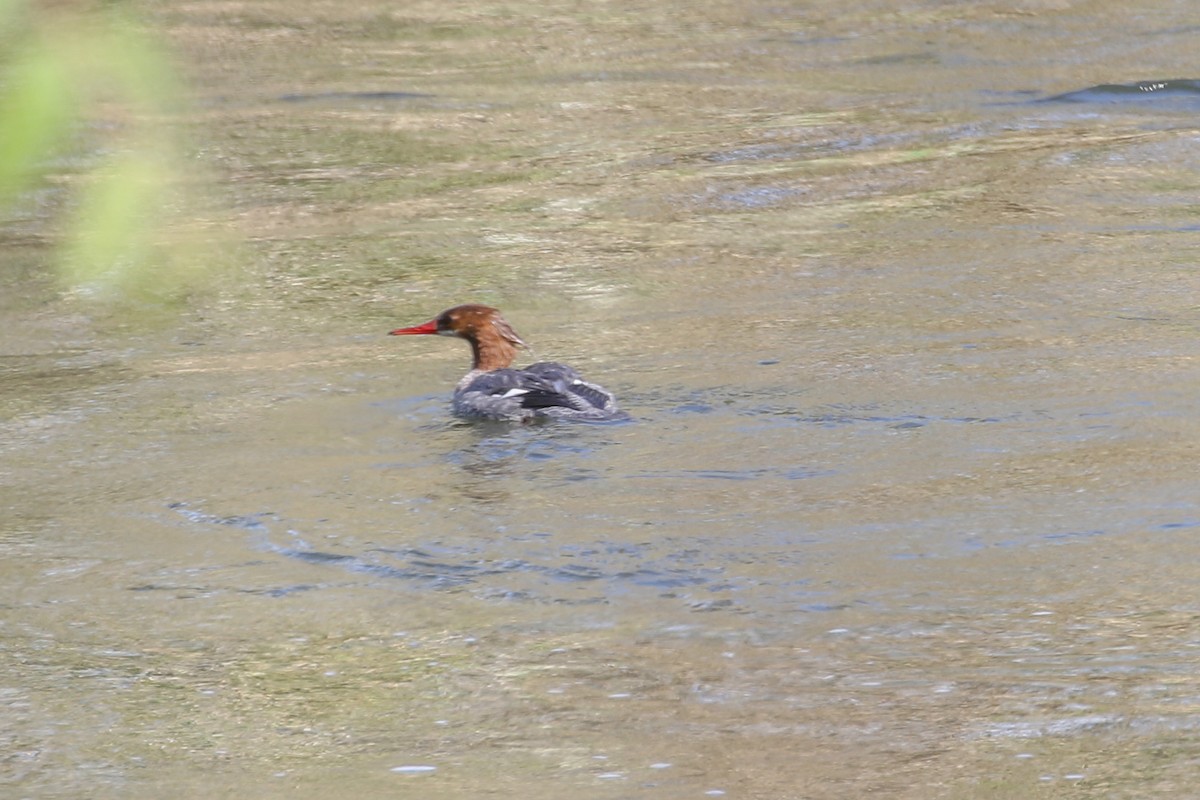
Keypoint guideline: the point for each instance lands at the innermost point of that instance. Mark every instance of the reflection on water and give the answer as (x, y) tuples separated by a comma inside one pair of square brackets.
[(905, 507)]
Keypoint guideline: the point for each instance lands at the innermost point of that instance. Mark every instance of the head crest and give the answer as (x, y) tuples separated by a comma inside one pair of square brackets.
[(505, 330)]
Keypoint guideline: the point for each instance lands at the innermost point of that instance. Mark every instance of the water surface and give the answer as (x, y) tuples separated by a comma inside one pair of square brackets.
[(907, 505)]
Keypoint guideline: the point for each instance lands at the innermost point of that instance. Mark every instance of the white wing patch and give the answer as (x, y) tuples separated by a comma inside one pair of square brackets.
[(515, 392)]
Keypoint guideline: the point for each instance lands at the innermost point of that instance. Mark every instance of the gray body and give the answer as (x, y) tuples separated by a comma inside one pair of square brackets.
[(545, 390)]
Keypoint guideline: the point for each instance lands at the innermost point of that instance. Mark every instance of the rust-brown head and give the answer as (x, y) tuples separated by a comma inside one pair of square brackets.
[(494, 343)]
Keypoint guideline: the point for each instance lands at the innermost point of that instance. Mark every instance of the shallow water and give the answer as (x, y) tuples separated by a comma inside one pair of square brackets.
[(907, 505)]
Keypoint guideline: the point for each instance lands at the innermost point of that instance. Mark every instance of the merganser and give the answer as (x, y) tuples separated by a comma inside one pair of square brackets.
[(492, 390)]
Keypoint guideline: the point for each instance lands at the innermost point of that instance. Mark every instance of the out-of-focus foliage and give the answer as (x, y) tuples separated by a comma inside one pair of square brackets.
[(89, 115)]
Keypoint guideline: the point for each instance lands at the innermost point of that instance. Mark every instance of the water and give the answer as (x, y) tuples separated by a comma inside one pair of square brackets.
[(906, 507)]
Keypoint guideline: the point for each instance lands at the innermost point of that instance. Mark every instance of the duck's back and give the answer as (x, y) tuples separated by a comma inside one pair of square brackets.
[(545, 389)]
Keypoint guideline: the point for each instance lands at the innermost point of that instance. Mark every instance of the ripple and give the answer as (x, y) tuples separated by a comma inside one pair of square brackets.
[(1177, 93)]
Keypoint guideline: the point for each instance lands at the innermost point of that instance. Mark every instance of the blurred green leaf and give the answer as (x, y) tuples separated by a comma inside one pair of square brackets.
[(92, 84), (38, 107), (118, 208)]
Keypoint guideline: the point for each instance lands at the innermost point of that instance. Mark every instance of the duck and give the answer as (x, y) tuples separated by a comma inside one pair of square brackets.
[(494, 390)]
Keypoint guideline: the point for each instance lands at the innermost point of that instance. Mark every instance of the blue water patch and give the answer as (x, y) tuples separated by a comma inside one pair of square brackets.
[(693, 408), (1069, 535), (749, 198), (1180, 94), (792, 473), (704, 576), (250, 522), (372, 97), (1176, 526)]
